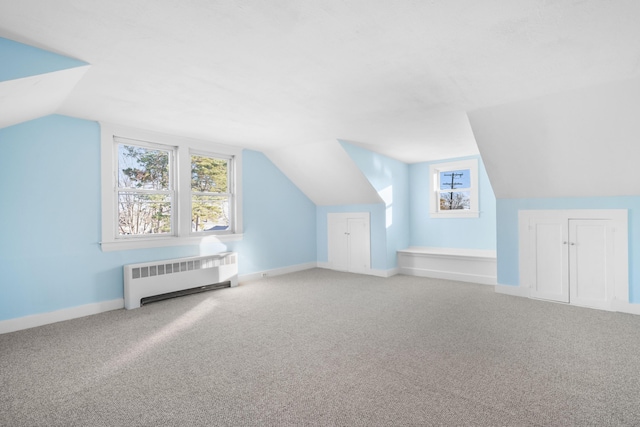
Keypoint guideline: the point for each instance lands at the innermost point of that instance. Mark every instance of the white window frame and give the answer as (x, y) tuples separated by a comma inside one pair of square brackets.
[(434, 173), (181, 216), (172, 183), (231, 189)]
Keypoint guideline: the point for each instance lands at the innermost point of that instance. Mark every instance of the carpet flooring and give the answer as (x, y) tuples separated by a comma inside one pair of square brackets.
[(324, 348)]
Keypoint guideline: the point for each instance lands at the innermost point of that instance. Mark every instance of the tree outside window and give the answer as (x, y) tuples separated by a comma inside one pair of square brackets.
[(145, 195), (210, 193)]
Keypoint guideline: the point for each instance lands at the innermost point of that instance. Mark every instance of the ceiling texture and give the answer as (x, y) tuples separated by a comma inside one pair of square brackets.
[(397, 77)]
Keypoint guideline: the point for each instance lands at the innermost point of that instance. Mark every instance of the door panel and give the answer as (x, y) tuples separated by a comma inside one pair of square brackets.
[(590, 269), (358, 245), (338, 243), (551, 270)]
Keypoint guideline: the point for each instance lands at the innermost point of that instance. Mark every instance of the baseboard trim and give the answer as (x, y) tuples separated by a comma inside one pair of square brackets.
[(625, 307), (516, 291), (371, 272), (276, 272), (448, 275), (34, 320)]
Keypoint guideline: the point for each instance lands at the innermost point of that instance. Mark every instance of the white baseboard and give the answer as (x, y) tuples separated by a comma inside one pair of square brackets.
[(276, 272), (385, 273), (370, 272), (625, 307), (465, 265), (517, 291), (26, 322), (449, 275)]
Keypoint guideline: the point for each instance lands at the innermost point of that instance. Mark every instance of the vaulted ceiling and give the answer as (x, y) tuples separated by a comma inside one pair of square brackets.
[(394, 76)]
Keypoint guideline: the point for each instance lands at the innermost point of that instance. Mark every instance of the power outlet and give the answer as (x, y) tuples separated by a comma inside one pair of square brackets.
[(264, 274)]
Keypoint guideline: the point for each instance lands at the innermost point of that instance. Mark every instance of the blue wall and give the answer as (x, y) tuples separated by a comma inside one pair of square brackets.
[(390, 178), (50, 258), (508, 271), (466, 233), (20, 60)]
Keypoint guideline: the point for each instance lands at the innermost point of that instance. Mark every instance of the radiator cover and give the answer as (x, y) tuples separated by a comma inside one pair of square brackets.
[(162, 277)]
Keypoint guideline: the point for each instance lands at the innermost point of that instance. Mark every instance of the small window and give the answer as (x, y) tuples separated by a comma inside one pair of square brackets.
[(211, 194), (145, 189), (455, 190)]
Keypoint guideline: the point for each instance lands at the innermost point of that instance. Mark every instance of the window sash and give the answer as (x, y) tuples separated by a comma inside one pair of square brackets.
[(170, 192), (229, 194)]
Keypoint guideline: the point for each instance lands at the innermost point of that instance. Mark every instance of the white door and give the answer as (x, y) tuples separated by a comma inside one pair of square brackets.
[(550, 269), (591, 270), (349, 243)]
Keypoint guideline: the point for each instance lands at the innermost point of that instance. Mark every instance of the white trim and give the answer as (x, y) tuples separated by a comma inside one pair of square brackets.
[(26, 322), (465, 265), (448, 275), (625, 307), (517, 291), (384, 273), (368, 272), (434, 204), (621, 245), (182, 220), (275, 272)]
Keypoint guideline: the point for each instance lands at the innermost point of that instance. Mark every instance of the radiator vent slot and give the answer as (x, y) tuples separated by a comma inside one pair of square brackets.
[(179, 267)]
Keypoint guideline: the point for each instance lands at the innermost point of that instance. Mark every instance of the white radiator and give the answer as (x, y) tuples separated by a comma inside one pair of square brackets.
[(162, 277)]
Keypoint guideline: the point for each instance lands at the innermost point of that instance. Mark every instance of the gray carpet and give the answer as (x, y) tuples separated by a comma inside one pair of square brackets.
[(325, 348)]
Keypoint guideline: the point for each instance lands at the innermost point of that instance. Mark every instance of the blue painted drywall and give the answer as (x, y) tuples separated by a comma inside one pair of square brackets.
[(279, 220), (50, 220), (376, 223), (20, 60), (507, 214), (390, 178), (465, 233)]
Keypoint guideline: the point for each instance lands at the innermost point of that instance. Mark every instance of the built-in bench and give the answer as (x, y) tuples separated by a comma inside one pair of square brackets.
[(467, 265)]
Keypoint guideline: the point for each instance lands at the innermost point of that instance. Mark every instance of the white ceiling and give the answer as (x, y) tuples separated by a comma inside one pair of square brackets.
[(394, 76)]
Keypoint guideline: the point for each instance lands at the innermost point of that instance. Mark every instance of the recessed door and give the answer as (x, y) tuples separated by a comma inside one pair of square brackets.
[(591, 272), (550, 267), (349, 243)]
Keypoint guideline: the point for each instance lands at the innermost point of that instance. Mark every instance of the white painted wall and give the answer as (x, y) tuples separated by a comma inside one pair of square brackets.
[(578, 143), (36, 96), (325, 173)]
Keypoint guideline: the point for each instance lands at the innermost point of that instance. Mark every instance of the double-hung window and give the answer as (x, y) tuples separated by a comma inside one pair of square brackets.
[(454, 191), (211, 195), (145, 191), (161, 190)]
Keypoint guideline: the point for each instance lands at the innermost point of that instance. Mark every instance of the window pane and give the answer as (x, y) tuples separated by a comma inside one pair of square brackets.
[(209, 213), (143, 214), (140, 167), (450, 180), (455, 200), (209, 175)]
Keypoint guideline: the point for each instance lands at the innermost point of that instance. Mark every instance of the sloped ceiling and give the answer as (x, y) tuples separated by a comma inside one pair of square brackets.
[(281, 73), (399, 77), (578, 143), (34, 82), (325, 173)]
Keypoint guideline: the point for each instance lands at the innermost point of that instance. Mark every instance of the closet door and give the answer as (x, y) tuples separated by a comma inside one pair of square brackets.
[(591, 269), (550, 269), (349, 242)]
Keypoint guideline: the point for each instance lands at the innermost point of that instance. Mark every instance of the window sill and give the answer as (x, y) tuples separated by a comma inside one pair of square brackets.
[(161, 242), (461, 214)]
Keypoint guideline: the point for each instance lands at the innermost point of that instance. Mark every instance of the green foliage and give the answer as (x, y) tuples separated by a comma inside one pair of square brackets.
[(145, 169), (209, 175), (150, 168)]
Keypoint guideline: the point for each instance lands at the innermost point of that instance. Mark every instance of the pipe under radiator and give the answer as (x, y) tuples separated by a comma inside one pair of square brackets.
[(157, 278)]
